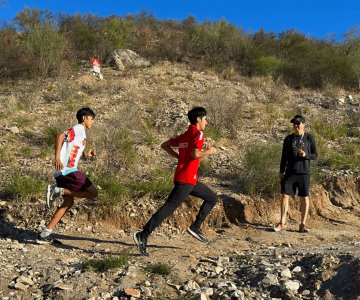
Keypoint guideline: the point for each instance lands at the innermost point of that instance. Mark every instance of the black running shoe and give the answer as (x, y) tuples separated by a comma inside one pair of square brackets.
[(140, 242), (47, 240), (196, 233)]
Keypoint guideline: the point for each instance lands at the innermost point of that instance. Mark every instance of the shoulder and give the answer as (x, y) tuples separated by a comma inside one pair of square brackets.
[(309, 136), (201, 135), (289, 137)]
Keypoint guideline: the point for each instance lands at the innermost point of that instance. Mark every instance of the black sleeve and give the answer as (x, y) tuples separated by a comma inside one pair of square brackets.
[(284, 156), (312, 154)]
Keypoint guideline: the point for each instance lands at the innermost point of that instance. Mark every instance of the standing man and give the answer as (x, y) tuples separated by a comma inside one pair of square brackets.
[(298, 149), (186, 183)]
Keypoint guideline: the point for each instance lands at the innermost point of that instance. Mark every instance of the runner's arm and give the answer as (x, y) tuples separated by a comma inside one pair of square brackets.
[(167, 147), (58, 143), (197, 153)]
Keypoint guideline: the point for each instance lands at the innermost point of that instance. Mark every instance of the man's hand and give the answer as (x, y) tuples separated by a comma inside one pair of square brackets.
[(58, 164), (281, 176), (302, 153)]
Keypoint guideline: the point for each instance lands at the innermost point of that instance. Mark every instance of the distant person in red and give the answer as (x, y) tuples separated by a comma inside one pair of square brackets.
[(190, 150), (96, 67)]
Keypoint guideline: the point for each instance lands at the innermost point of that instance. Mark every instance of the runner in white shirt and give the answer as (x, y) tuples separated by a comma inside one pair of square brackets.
[(70, 182)]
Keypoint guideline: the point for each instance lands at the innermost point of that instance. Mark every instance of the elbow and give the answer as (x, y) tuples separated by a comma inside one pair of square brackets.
[(195, 154), (164, 146)]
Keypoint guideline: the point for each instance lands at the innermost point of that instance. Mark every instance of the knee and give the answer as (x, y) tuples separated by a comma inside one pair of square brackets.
[(68, 202), (213, 199), (284, 197), (94, 194)]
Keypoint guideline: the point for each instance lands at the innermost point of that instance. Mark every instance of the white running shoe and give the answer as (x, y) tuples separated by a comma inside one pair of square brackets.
[(52, 192)]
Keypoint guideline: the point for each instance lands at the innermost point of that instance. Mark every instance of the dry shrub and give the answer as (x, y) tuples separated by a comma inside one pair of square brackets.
[(224, 108)]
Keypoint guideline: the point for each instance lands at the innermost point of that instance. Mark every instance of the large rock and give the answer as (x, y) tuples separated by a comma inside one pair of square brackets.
[(124, 58), (344, 190)]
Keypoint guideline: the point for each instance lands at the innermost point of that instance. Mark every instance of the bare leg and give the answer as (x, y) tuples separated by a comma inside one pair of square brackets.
[(90, 193), (61, 211), (304, 209), (284, 206), (69, 195)]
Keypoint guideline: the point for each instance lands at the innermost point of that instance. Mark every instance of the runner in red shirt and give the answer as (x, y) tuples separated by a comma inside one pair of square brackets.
[(186, 183)]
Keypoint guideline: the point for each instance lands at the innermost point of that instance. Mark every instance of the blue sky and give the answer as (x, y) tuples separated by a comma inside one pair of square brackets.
[(315, 18)]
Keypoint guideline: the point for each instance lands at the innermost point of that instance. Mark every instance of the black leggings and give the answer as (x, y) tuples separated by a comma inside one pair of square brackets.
[(180, 193)]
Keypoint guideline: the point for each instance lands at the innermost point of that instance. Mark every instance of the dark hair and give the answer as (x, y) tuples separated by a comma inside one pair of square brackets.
[(195, 113), (83, 112)]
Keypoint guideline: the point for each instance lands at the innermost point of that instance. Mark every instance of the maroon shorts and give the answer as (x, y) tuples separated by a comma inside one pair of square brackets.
[(75, 181)]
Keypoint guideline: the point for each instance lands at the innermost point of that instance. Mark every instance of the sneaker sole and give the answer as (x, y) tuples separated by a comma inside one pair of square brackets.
[(195, 235), (135, 239), (279, 230), (137, 244), (48, 194), (42, 241)]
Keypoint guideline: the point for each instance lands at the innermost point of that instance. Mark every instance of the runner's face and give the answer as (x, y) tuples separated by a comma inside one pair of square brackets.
[(202, 123), (298, 128), (88, 121)]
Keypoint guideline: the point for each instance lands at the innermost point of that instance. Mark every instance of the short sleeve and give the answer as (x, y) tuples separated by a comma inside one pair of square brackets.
[(175, 141), (199, 140), (69, 135)]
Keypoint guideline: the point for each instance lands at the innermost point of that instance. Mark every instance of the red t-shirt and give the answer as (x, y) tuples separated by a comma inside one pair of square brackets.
[(187, 167), (95, 62)]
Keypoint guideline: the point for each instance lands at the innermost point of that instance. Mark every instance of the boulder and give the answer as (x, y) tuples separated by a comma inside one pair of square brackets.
[(124, 58)]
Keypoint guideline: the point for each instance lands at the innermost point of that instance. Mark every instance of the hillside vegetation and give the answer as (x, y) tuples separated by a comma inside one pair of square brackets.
[(38, 44)]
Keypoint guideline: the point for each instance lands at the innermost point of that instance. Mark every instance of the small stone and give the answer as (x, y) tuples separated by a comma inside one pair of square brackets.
[(25, 280), (297, 269), (286, 273), (291, 286), (132, 292), (20, 286), (218, 270)]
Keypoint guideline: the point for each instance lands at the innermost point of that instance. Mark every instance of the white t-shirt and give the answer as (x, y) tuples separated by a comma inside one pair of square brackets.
[(72, 149)]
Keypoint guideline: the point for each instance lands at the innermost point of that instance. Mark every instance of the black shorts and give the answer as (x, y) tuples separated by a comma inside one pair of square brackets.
[(299, 182)]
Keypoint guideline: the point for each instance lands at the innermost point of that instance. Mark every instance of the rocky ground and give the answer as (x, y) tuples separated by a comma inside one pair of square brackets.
[(241, 262), (245, 259), (247, 262)]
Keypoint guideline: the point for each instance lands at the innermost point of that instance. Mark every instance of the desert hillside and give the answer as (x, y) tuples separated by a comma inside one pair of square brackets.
[(137, 109)]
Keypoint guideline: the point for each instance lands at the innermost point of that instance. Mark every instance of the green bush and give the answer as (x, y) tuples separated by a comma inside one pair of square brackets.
[(103, 265), (6, 154), (122, 148), (120, 32), (329, 130), (261, 169), (112, 191), (347, 156), (213, 132), (47, 47), (158, 184), (159, 268), (266, 65), (22, 121), (50, 135), (22, 185)]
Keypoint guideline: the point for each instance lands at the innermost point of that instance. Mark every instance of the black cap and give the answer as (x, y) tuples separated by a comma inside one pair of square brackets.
[(297, 118)]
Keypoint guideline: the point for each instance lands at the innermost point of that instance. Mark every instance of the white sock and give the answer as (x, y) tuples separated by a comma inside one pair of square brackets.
[(46, 232), (59, 191)]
